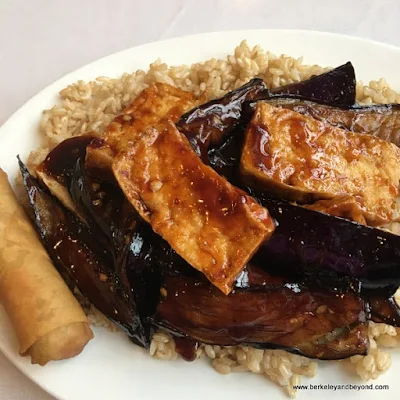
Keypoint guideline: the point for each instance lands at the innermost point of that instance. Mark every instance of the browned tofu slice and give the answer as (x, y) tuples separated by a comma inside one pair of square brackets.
[(304, 159), (156, 102), (348, 207), (213, 225)]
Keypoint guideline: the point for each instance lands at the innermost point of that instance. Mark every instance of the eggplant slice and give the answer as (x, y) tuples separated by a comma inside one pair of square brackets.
[(59, 164), (314, 323), (336, 87), (209, 123), (307, 241), (81, 259)]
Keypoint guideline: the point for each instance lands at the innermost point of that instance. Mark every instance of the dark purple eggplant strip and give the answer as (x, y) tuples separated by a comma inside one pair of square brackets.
[(60, 162), (336, 87), (80, 258), (385, 311), (307, 241), (210, 123), (315, 324)]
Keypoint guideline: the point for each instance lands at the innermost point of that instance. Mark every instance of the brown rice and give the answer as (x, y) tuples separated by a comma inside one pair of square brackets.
[(91, 106)]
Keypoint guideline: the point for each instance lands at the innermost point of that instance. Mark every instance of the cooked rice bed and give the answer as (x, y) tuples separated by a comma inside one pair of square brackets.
[(92, 106)]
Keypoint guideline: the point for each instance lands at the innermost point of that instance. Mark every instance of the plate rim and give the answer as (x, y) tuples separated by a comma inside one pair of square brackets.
[(194, 36), (70, 77)]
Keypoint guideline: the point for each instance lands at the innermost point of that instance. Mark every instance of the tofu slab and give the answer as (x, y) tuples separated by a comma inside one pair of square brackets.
[(303, 159), (348, 207), (156, 102), (213, 225)]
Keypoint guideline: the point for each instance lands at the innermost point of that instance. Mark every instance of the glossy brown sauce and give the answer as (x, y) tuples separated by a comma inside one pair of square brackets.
[(301, 159), (211, 123), (186, 347), (222, 225), (63, 157), (153, 104), (382, 121), (286, 315)]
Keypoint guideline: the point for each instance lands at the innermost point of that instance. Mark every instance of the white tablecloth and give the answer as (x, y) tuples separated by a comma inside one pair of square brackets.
[(41, 40)]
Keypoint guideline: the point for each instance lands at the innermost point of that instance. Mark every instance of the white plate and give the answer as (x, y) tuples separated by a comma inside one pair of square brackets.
[(110, 366)]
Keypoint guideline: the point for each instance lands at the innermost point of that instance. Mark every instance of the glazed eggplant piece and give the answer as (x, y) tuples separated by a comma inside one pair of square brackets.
[(211, 122), (58, 166), (336, 87), (307, 241), (60, 162), (384, 310), (380, 120), (64, 169), (131, 242), (320, 324), (314, 323), (81, 259), (102, 204)]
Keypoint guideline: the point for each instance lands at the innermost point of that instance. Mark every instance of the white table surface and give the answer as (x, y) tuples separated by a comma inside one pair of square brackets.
[(42, 40)]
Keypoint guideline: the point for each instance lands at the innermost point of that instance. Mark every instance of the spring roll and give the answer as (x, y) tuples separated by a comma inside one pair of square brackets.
[(48, 321)]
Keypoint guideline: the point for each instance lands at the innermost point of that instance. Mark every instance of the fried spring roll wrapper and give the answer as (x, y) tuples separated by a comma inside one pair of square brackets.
[(49, 322)]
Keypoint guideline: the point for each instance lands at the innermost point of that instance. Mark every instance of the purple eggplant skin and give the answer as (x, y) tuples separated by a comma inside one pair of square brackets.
[(306, 241), (129, 240), (80, 258), (336, 87), (384, 310), (208, 124), (60, 162), (103, 206), (317, 324)]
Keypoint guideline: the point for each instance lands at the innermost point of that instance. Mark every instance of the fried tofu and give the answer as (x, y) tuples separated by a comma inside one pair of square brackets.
[(348, 207), (303, 159), (213, 225), (156, 102)]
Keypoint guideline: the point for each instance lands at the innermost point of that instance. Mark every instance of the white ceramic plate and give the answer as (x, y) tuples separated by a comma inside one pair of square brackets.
[(111, 367)]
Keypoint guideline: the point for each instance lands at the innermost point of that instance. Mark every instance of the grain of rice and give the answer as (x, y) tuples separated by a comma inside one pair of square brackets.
[(209, 351), (386, 341), (220, 367), (240, 368)]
